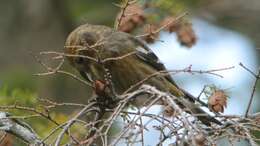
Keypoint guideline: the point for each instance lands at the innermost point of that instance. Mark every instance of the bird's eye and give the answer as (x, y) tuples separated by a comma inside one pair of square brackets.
[(79, 60)]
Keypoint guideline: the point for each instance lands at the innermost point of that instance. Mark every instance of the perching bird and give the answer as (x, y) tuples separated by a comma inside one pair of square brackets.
[(133, 62)]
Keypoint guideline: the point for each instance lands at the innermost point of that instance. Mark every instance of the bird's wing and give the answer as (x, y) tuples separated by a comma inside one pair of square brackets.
[(147, 55)]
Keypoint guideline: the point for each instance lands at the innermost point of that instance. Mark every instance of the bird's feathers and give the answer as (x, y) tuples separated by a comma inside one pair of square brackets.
[(125, 72)]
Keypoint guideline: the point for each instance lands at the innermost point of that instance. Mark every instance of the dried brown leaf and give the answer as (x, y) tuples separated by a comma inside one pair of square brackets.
[(200, 139), (132, 17), (186, 35), (218, 101), (168, 111)]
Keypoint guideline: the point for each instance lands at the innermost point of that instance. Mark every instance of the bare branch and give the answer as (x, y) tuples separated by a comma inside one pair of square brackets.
[(19, 129), (254, 86), (175, 20), (122, 13)]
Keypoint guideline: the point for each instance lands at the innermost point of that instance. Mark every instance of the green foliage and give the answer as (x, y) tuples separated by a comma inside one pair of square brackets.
[(27, 98), (22, 96), (170, 6)]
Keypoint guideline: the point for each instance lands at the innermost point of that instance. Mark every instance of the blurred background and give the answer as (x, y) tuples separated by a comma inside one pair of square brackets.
[(227, 33)]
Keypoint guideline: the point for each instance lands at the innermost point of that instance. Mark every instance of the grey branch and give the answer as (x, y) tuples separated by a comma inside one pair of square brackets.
[(19, 129)]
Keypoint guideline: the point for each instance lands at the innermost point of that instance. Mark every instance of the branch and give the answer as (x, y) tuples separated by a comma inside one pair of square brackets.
[(123, 8), (254, 87), (173, 21), (19, 129), (71, 122)]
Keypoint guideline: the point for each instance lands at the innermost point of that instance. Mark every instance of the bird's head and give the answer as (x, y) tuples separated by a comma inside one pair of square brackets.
[(78, 46)]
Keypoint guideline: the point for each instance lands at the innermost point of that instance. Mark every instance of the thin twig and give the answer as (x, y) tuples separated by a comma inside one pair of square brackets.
[(171, 72), (252, 94), (70, 122), (176, 20), (122, 14), (247, 69)]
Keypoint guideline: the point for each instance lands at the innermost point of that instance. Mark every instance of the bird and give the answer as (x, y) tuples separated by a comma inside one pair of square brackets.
[(99, 51)]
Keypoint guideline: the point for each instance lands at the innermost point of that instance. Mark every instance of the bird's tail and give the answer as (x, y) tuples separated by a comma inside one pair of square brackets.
[(189, 102)]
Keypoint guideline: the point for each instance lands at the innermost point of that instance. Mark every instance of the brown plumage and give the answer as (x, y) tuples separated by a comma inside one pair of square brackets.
[(101, 42)]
